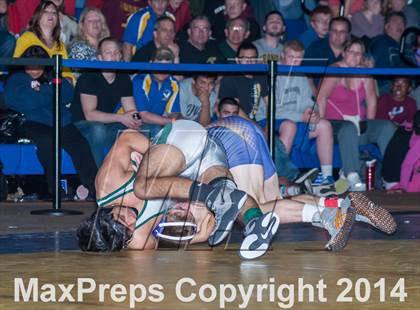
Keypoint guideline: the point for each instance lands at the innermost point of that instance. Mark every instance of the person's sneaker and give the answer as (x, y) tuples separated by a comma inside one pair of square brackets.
[(324, 190), (321, 180), (309, 175), (287, 191), (355, 184), (226, 203), (373, 214), (259, 234), (338, 222), (305, 180)]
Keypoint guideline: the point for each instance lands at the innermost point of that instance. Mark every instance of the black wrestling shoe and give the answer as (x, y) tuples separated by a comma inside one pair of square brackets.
[(259, 234), (226, 206)]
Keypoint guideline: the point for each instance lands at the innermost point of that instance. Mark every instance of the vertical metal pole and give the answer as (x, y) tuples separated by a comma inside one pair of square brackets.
[(57, 131), (56, 108), (271, 112)]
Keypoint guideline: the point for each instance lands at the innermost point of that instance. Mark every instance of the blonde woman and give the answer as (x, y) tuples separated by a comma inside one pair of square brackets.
[(92, 29)]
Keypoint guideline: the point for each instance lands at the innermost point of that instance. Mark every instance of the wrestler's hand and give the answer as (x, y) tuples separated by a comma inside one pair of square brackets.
[(204, 230), (129, 120)]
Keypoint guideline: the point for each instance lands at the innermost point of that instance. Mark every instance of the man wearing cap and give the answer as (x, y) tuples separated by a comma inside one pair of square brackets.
[(157, 95)]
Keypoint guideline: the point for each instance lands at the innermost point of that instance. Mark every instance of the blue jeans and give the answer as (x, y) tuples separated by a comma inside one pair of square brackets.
[(378, 131), (284, 166), (100, 136)]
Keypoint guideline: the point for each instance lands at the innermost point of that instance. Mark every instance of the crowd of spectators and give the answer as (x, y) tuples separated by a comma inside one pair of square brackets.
[(349, 110)]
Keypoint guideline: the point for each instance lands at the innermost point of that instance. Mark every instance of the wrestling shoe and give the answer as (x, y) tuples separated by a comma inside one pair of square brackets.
[(338, 222), (259, 234), (371, 213), (225, 202)]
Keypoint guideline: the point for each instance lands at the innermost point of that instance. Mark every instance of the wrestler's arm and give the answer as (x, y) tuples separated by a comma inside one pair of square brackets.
[(134, 141)]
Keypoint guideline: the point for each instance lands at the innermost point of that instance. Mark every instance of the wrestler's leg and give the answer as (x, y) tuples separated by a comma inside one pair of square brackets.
[(157, 176), (260, 232), (367, 211)]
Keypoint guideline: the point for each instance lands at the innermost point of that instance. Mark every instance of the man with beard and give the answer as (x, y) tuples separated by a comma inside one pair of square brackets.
[(269, 46)]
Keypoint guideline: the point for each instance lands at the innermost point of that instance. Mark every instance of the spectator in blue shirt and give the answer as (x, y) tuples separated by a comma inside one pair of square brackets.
[(320, 20), (385, 48), (31, 93), (139, 30), (157, 95), (327, 51)]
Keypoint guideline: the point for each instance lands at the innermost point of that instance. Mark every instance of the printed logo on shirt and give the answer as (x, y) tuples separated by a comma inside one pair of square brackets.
[(395, 111), (211, 60), (290, 96), (192, 111), (166, 95)]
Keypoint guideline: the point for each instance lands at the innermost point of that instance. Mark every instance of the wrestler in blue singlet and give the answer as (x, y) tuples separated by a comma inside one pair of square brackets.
[(244, 143)]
